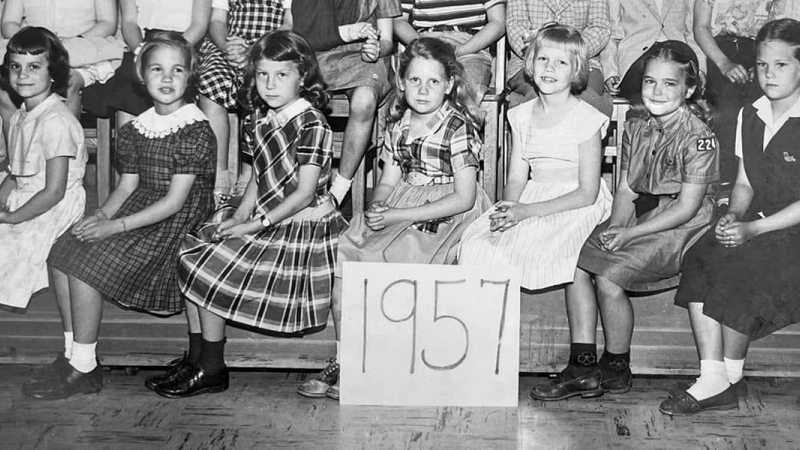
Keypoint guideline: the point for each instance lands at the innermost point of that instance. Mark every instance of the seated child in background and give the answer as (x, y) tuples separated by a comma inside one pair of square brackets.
[(635, 26), (554, 196), (126, 251), (87, 29), (661, 206), (471, 26), (428, 192), (525, 17), (42, 193), (269, 264)]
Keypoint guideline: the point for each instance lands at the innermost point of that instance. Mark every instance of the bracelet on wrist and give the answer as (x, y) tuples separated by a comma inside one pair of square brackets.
[(124, 226)]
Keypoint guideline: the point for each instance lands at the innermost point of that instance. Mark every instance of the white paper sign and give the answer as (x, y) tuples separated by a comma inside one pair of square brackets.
[(432, 335)]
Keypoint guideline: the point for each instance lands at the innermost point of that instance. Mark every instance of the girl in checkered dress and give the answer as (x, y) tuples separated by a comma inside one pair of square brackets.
[(428, 192), (269, 263), (126, 250)]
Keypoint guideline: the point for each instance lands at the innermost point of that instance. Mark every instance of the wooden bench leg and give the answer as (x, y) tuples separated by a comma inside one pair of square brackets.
[(104, 174)]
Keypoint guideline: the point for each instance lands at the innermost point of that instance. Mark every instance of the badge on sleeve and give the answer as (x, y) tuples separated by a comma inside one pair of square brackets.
[(706, 144)]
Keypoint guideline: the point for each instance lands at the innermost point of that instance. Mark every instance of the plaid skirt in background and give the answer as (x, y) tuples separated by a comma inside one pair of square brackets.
[(219, 81), (279, 279)]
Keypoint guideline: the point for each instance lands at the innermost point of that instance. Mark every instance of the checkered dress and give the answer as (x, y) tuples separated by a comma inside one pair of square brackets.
[(248, 19), (137, 269), (279, 279)]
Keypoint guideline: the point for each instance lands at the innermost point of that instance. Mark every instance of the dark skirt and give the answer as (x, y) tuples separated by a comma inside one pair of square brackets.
[(753, 288)]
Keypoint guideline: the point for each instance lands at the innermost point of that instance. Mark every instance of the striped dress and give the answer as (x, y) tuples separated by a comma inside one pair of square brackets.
[(280, 278), (545, 248)]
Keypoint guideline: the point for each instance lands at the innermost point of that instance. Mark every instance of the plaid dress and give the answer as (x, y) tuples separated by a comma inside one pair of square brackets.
[(137, 268), (449, 145), (279, 279), (249, 20)]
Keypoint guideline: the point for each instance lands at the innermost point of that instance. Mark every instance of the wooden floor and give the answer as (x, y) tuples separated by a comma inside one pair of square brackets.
[(262, 411)]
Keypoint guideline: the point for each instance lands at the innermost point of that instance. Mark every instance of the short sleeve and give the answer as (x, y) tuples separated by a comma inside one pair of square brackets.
[(314, 144), (590, 121), (465, 147), (197, 150), (388, 9), (387, 154), (61, 136), (125, 150), (700, 158), (625, 156), (220, 4)]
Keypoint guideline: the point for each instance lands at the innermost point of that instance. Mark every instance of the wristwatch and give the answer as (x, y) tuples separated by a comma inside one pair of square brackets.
[(265, 222)]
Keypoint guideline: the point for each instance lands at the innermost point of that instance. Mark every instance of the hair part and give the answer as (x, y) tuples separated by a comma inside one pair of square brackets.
[(281, 46), (37, 41), (174, 40), (569, 39), (783, 30), (461, 95), (684, 58)]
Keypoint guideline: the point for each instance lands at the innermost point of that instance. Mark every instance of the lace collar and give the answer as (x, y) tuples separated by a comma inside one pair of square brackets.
[(155, 126)]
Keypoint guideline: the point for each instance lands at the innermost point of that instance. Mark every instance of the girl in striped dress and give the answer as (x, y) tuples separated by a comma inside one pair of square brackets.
[(554, 196), (268, 264)]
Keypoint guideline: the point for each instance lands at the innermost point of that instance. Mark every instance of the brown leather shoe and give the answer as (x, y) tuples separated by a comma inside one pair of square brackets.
[(684, 404), (564, 386), (618, 384), (69, 383), (681, 386)]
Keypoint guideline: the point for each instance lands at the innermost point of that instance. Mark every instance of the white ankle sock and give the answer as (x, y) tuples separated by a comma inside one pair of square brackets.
[(734, 367), (84, 357), (339, 187), (713, 380), (68, 344)]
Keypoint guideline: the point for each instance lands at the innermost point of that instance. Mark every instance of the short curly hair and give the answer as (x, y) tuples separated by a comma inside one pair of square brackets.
[(36, 41)]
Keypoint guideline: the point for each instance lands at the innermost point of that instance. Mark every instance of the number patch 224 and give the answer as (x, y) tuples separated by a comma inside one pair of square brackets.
[(706, 144)]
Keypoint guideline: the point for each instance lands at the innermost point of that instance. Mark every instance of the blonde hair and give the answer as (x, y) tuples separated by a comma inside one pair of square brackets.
[(566, 38)]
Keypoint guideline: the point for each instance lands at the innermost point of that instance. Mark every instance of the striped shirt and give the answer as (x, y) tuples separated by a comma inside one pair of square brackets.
[(465, 14)]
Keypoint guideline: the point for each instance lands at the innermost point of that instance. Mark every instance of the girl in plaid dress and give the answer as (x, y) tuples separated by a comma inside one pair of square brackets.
[(268, 264), (428, 193), (126, 250)]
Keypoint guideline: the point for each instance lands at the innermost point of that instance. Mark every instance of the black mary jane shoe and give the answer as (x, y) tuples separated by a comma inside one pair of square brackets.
[(174, 369), (681, 386), (58, 367), (565, 386), (684, 404), (67, 384), (194, 382)]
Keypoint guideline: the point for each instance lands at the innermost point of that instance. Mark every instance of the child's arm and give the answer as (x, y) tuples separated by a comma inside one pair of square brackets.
[(106, 19), (307, 179), (179, 188), (373, 49), (403, 30), (56, 171), (129, 17), (702, 34), (218, 27), (494, 29), (689, 200), (12, 18), (128, 182), (8, 185), (585, 194), (201, 14)]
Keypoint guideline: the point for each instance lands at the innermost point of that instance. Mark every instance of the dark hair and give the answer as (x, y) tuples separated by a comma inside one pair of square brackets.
[(38, 40), (461, 95), (784, 30), (680, 54), (283, 45), (569, 39), (177, 41)]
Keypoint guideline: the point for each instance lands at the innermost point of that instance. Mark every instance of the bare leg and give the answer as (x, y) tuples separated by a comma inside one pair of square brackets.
[(74, 93), (193, 317), (60, 282), (582, 308), (616, 312), (336, 306), (218, 119), (735, 344), (363, 107), (213, 326), (707, 334), (87, 311)]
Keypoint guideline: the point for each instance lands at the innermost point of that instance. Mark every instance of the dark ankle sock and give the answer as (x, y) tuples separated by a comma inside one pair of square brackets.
[(615, 363), (582, 358), (195, 340), (212, 356)]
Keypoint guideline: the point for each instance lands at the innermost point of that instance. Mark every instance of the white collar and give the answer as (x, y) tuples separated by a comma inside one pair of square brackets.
[(155, 126), (39, 109), (288, 113), (764, 112)]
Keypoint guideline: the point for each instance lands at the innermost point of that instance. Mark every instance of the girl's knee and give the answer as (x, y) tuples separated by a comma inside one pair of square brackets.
[(75, 83), (607, 288), (363, 103)]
